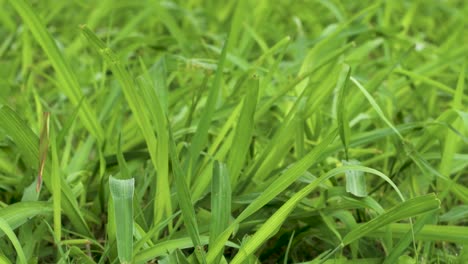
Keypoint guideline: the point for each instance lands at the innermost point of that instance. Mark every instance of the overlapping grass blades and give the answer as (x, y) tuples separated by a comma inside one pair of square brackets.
[(227, 115)]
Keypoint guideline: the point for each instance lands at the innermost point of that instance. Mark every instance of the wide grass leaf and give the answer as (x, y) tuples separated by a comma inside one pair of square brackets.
[(122, 194)]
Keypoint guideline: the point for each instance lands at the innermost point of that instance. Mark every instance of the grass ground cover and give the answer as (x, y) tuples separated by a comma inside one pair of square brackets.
[(233, 132)]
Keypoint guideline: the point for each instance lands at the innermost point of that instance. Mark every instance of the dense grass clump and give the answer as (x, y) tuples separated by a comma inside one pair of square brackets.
[(233, 132)]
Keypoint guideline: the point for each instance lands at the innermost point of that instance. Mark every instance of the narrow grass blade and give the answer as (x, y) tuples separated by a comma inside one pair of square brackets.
[(137, 105), (19, 213), (43, 148), (14, 240), (28, 146), (289, 177), (80, 256), (453, 234), (300, 79), (429, 81), (164, 247), (452, 143), (122, 195), (457, 213), (288, 249), (185, 200), (66, 76), (409, 208), (275, 221), (201, 134), (171, 24), (376, 106), (342, 114), (154, 230), (280, 143), (220, 203), (243, 132), (405, 241), (56, 187), (157, 105)]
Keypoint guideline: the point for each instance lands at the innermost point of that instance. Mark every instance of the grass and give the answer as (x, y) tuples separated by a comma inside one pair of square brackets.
[(238, 132)]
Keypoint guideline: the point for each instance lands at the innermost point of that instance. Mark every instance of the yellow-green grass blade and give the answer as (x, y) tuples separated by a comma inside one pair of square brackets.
[(19, 213), (355, 180), (375, 106), (429, 232), (66, 77), (346, 261), (280, 142), (157, 105), (406, 209), (146, 239), (201, 134), (341, 112), (243, 132), (219, 148), (185, 200), (80, 256), (279, 185), (436, 84), (330, 57), (171, 24), (57, 194), (27, 143), (409, 237), (136, 103), (5, 228), (122, 191), (220, 203), (275, 221), (451, 144), (163, 247), (3, 258)]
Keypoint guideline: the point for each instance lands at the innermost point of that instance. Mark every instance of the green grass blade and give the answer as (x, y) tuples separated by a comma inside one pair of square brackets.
[(66, 76), (376, 106), (56, 187), (220, 203), (405, 241), (80, 256), (28, 146), (451, 144), (137, 105), (288, 249), (19, 213), (291, 175), (122, 194), (355, 180), (14, 240), (342, 114), (201, 134), (163, 247), (453, 234), (275, 221), (157, 105), (185, 200), (409, 208), (155, 229), (243, 132)]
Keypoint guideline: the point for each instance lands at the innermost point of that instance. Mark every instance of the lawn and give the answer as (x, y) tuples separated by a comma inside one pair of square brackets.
[(316, 131)]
